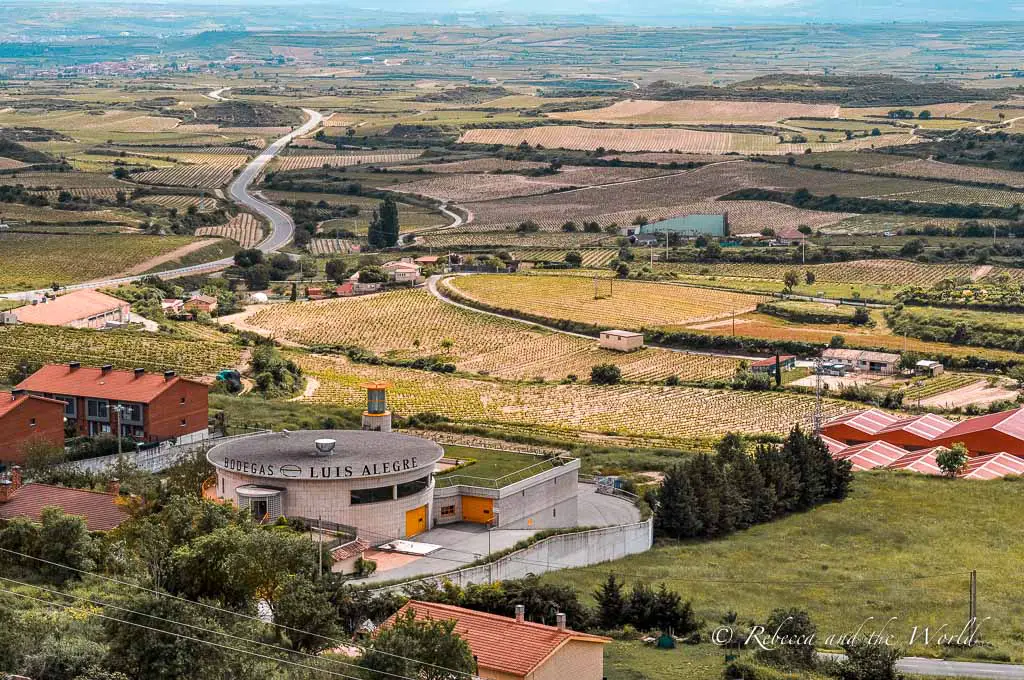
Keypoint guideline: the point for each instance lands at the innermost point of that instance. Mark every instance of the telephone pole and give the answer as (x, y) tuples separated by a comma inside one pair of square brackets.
[(972, 615)]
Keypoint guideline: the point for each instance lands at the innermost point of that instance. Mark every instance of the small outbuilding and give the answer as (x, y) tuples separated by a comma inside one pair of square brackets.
[(928, 368), (787, 362), (621, 341)]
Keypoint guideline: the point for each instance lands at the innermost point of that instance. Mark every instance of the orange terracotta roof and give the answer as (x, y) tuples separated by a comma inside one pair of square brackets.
[(99, 509), (498, 642), (93, 382), (80, 304), (8, 403)]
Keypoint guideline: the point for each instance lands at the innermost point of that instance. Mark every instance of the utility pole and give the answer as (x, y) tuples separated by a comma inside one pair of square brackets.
[(817, 396), (972, 614)]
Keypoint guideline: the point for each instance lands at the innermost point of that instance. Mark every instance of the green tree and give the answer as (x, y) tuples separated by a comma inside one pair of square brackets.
[(574, 258), (304, 606), (65, 540), (336, 270), (810, 277), (676, 515), (790, 279), (423, 649), (611, 605), (605, 374), (952, 460), (798, 653), (384, 225), (372, 275), (62, 656), (866, 661)]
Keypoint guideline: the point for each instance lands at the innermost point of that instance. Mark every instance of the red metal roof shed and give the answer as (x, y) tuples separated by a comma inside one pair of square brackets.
[(992, 433), (916, 432), (993, 466), (871, 455), (858, 426)]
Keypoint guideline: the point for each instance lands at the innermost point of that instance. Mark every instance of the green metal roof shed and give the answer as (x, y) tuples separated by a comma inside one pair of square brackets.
[(711, 225)]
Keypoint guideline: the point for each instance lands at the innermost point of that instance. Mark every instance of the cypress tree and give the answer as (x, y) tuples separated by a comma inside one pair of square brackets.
[(610, 603), (676, 514)]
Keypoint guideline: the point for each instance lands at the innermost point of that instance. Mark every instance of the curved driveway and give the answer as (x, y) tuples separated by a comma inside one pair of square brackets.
[(282, 228)]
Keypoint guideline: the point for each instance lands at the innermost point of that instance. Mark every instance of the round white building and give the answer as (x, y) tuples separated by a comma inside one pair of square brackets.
[(380, 483)]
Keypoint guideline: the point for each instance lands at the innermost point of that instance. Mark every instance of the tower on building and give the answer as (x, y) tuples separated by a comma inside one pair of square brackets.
[(376, 417)]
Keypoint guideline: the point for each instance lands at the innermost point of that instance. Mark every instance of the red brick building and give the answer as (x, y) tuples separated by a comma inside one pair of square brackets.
[(100, 509), (25, 418), (147, 407)]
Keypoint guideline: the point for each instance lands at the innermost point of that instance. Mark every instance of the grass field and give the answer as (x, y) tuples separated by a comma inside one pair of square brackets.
[(489, 464), (632, 304), (901, 545), (413, 323), (30, 261)]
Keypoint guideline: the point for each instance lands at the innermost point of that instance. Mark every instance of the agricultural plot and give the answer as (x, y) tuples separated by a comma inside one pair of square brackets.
[(31, 261), (244, 228), (122, 348), (29, 214), (946, 110), (182, 203), (413, 323), (478, 165), (924, 389), (660, 139), (105, 193), (510, 239), (332, 246), (93, 121), (591, 258), (694, 111), (11, 164), (951, 171), (872, 272), (304, 162), (63, 180), (669, 414), (468, 188), (617, 304), (196, 176)]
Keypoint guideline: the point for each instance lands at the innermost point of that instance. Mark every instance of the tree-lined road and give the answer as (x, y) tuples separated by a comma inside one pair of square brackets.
[(282, 227)]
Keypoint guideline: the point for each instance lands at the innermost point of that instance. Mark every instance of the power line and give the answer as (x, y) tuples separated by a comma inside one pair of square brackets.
[(201, 628), (178, 635), (232, 613)]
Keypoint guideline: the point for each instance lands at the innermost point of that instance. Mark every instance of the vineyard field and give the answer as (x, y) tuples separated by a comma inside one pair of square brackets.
[(332, 246), (591, 258), (632, 305), (542, 239), (669, 414), (408, 324), (951, 171), (874, 272), (122, 348), (207, 176), (11, 164), (31, 261), (182, 203), (244, 228), (304, 162), (694, 111)]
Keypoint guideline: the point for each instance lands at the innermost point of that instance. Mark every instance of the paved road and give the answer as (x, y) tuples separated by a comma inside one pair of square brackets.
[(282, 228), (218, 95), (953, 669)]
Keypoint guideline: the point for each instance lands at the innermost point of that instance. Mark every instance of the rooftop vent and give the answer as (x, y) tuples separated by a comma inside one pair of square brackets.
[(106, 368), (75, 365), (15, 393), (169, 374), (139, 372)]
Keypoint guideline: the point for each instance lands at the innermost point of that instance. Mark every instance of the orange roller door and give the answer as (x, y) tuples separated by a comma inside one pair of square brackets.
[(415, 521), (476, 509)]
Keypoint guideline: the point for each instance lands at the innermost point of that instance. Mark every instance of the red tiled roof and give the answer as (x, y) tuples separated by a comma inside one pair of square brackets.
[(919, 461), (993, 466), (770, 361), (99, 509), (834, 446), (871, 455), (7, 403), (870, 420), (93, 382), (498, 642), (80, 304), (1008, 422), (928, 426)]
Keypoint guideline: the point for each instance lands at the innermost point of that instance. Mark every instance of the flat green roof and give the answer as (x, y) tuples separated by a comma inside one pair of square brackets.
[(713, 225)]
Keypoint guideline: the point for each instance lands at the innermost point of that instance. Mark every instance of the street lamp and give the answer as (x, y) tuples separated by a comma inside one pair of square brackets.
[(119, 409)]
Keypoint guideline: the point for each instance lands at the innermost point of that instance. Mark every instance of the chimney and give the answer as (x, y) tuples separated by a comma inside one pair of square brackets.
[(15, 393), (139, 372), (520, 613), (6, 490), (75, 365), (169, 374), (106, 368), (16, 477), (560, 621), (114, 486)]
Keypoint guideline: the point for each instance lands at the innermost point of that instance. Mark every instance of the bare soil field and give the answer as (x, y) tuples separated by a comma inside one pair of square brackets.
[(696, 111), (978, 393)]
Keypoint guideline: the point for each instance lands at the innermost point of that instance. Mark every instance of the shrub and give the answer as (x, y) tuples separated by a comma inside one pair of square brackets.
[(605, 374)]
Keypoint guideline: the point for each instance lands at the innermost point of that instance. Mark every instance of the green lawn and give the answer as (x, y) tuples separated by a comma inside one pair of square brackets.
[(849, 561), (489, 464)]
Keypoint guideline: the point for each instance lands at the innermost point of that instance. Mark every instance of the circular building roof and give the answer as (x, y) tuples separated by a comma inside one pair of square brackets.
[(307, 454)]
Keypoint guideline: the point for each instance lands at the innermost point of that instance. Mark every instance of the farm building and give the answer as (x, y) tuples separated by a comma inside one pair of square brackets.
[(686, 226), (992, 433), (993, 466), (620, 341), (100, 509), (201, 303), (871, 455), (923, 462), (144, 406), (928, 367), (172, 306), (26, 418), (918, 432), (787, 362), (863, 360), (858, 427), (78, 309), (403, 271), (834, 446), (506, 648)]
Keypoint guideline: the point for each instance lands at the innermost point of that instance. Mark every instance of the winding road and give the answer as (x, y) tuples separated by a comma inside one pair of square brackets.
[(282, 228)]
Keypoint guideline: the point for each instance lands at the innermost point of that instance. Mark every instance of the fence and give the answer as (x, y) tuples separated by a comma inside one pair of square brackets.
[(158, 458), (445, 481), (564, 551)]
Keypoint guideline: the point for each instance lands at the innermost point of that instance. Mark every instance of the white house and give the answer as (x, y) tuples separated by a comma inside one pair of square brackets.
[(621, 341), (403, 271)]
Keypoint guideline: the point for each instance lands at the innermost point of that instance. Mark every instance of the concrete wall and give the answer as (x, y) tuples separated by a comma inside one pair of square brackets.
[(576, 659), (557, 552)]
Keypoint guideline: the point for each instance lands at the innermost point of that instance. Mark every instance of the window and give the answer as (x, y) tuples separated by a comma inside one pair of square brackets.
[(183, 422), (97, 409), (375, 495), (182, 402), (70, 407), (413, 487), (32, 422), (131, 413), (447, 511)]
